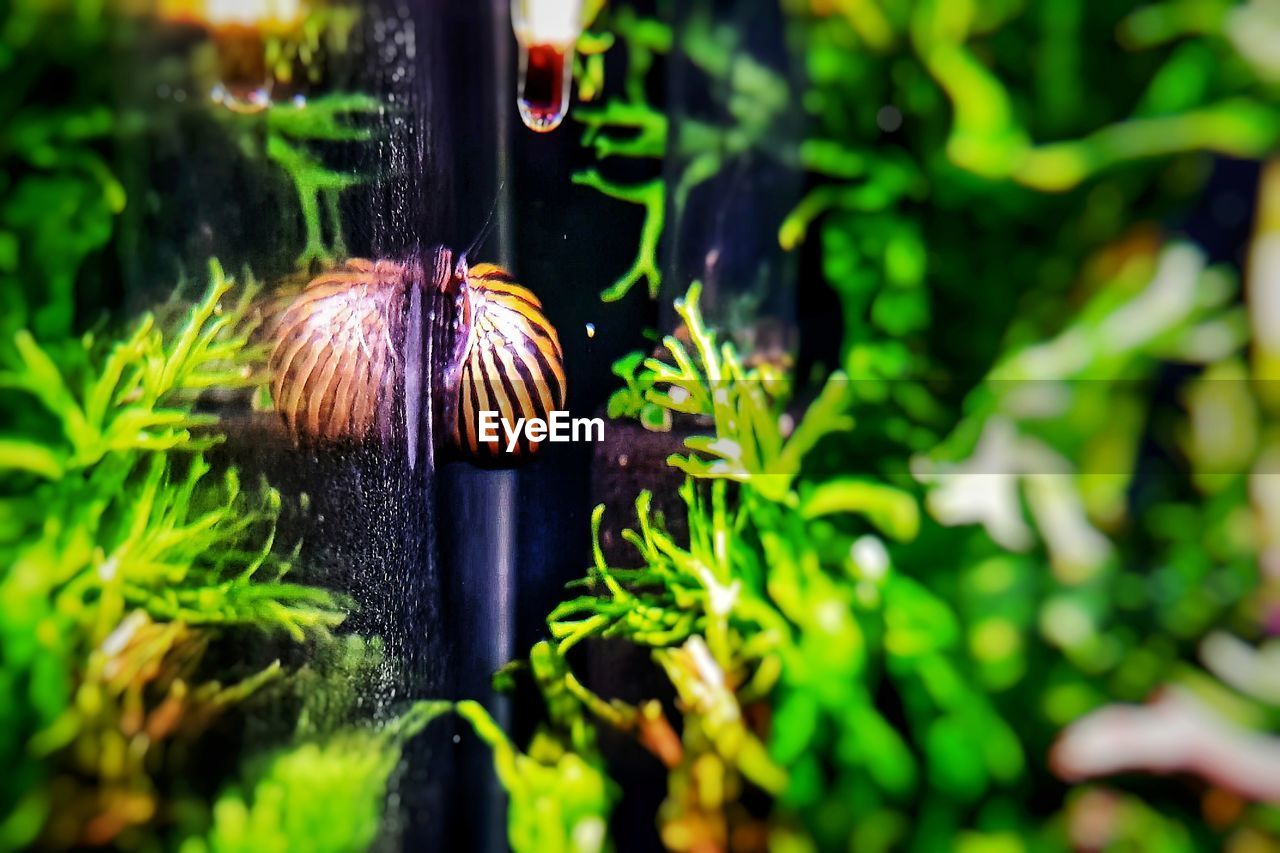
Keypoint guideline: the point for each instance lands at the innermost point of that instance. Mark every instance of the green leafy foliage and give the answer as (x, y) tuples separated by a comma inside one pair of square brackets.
[(758, 605), (119, 546), (931, 678), (559, 800), (931, 590), (626, 126), (58, 197), (979, 126), (631, 401), (560, 797), (125, 556), (330, 792), (289, 128)]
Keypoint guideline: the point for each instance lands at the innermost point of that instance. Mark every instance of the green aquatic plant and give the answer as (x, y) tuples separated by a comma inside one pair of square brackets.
[(651, 196), (989, 534), (136, 398), (1053, 597), (559, 797), (122, 554), (330, 791), (923, 113), (754, 607), (626, 126), (631, 401), (1080, 399), (290, 128), (1198, 98), (58, 194), (126, 557), (924, 664), (289, 135)]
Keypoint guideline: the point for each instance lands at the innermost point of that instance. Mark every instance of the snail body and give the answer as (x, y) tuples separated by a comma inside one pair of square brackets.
[(356, 354)]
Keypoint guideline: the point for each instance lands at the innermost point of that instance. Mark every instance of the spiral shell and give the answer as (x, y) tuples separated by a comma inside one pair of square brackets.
[(350, 356), (337, 364), (512, 363)]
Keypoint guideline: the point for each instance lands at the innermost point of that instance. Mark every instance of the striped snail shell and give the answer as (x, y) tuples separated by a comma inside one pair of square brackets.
[(511, 362), (356, 354)]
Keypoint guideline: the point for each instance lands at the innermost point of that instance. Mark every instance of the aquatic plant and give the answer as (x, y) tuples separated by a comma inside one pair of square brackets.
[(129, 564), (1018, 543), (291, 136), (626, 126), (754, 607), (787, 595), (289, 129), (631, 401), (123, 552), (923, 115), (559, 795), (275, 116), (60, 196), (330, 792)]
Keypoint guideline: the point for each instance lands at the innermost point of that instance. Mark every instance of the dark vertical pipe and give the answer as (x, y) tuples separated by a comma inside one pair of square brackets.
[(477, 508)]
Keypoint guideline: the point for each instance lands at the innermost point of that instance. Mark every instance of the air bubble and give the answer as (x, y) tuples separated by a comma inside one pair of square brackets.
[(889, 118)]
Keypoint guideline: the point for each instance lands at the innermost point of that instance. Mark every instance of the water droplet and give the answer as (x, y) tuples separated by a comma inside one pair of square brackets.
[(543, 95), (242, 100)]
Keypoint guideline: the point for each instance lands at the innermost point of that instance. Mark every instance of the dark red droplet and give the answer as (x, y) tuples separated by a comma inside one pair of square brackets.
[(544, 88)]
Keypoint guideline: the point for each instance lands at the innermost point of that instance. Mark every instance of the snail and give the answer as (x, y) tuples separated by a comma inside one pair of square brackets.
[(354, 355)]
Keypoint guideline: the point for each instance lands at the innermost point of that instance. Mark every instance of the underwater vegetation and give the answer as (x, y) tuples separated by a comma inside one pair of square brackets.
[(625, 126), (1015, 556), (288, 128), (330, 791), (122, 551), (59, 195), (996, 572), (128, 562), (131, 566), (806, 594), (269, 78)]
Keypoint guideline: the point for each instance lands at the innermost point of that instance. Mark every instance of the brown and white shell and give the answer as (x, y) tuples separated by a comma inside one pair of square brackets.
[(352, 355)]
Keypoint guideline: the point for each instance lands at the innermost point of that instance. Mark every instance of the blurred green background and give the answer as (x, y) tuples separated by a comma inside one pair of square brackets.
[(991, 561)]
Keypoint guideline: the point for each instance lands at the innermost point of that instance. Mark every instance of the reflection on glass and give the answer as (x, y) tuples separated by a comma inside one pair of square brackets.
[(240, 30)]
